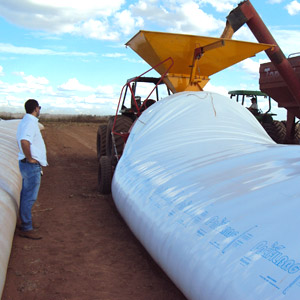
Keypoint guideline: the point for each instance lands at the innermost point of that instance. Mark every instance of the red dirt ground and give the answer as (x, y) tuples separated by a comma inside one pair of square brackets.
[(87, 251)]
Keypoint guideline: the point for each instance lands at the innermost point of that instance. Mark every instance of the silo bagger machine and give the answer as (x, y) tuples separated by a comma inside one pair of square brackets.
[(185, 63)]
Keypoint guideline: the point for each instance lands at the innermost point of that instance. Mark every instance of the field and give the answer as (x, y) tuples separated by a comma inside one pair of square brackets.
[(87, 251)]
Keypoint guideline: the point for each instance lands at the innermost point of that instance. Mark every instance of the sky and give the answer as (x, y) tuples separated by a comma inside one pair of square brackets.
[(70, 55)]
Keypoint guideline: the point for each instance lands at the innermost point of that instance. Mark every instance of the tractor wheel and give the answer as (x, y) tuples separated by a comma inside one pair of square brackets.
[(296, 137), (297, 134), (276, 130), (110, 124), (101, 141), (104, 175), (123, 124)]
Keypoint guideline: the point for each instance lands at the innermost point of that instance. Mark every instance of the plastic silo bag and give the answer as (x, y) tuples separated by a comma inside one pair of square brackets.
[(10, 187), (213, 199)]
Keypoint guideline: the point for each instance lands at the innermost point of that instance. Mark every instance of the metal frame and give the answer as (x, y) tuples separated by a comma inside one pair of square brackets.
[(132, 91)]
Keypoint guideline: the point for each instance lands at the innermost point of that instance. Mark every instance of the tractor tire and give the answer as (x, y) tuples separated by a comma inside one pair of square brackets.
[(297, 134), (296, 137), (101, 141), (123, 124), (104, 175), (110, 124), (276, 130)]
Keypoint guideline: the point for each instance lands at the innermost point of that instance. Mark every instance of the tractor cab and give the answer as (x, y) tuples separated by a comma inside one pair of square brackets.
[(140, 93), (254, 101)]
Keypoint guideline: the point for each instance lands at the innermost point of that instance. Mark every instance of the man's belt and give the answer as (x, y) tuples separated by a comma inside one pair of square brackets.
[(24, 160)]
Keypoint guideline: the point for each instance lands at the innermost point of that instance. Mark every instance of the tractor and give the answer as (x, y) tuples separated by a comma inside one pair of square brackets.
[(112, 137), (275, 129)]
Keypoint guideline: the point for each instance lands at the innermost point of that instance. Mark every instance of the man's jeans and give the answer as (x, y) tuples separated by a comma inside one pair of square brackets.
[(31, 174)]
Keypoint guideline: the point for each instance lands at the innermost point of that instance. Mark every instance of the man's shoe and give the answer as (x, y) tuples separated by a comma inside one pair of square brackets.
[(30, 234)]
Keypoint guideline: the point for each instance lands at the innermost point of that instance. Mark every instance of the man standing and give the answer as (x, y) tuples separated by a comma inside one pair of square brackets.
[(31, 157)]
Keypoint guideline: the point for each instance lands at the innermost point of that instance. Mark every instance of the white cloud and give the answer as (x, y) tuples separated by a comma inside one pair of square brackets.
[(293, 8), (127, 23), (221, 5), (1, 71), (90, 104), (107, 91), (114, 55), (74, 85), (250, 66), (102, 100), (275, 1), (244, 34), (216, 89), (189, 16), (8, 48), (30, 85), (135, 61), (288, 40), (87, 6), (60, 10), (63, 16), (31, 80), (150, 12), (104, 20), (97, 100), (95, 29), (185, 17)]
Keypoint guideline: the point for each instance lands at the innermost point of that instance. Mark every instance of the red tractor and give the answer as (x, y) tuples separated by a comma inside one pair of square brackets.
[(111, 138)]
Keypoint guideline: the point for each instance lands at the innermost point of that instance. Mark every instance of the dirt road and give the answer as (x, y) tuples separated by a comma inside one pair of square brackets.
[(87, 251)]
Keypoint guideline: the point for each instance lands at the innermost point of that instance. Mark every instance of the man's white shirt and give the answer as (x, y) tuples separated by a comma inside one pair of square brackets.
[(29, 130)]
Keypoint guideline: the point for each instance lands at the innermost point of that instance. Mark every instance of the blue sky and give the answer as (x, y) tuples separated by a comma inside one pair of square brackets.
[(70, 54)]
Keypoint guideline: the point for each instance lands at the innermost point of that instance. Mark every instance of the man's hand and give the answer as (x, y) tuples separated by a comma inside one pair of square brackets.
[(26, 150), (32, 161)]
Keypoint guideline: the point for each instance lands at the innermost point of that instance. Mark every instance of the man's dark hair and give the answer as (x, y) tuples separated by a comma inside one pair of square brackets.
[(31, 105)]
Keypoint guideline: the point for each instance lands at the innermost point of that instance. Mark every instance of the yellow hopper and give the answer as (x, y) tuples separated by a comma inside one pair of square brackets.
[(195, 57)]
